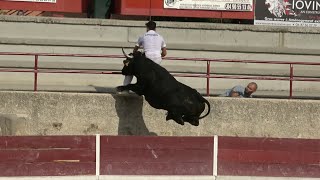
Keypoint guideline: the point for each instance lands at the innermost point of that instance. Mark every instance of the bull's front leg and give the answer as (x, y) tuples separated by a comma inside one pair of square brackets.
[(132, 87)]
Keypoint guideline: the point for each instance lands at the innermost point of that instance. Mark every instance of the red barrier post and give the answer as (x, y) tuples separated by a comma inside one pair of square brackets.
[(291, 79), (35, 73), (208, 78)]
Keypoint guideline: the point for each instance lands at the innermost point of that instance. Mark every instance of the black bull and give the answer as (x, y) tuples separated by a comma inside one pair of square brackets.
[(162, 91)]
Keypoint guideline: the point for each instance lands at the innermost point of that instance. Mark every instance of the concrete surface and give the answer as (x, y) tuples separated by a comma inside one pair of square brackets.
[(210, 36), (110, 114), (155, 178), (93, 36)]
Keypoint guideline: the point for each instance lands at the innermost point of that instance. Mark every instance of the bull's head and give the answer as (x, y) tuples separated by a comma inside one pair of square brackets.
[(127, 64)]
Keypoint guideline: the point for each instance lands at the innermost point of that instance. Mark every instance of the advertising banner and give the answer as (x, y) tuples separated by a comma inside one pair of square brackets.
[(288, 13), (224, 5), (46, 1)]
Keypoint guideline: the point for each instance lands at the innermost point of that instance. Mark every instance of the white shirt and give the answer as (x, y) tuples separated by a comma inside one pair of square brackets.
[(152, 43)]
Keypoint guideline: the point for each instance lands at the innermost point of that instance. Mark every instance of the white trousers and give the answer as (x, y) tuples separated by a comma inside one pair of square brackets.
[(127, 79)]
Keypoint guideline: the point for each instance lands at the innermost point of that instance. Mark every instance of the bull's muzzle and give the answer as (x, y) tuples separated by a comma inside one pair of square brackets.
[(126, 62)]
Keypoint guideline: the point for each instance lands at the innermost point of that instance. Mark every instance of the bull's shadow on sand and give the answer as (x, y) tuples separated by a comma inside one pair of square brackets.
[(129, 110)]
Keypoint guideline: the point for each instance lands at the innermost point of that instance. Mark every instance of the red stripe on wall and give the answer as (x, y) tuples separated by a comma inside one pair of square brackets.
[(275, 156), (156, 156), (154, 168), (32, 142), (281, 144), (268, 157), (46, 169), (47, 156), (269, 170), (133, 155)]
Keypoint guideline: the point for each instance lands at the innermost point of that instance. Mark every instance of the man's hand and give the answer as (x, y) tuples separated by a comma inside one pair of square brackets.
[(234, 94), (163, 52)]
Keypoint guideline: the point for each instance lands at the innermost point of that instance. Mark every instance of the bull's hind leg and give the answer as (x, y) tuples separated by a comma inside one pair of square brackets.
[(193, 120)]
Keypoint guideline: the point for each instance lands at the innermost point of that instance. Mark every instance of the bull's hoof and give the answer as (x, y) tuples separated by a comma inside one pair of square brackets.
[(169, 116), (195, 123), (180, 121)]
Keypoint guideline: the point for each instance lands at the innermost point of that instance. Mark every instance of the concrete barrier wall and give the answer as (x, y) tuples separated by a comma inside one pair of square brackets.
[(27, 113), (114, 33)]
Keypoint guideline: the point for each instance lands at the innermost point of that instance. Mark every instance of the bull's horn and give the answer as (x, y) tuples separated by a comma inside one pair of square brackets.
[(124, 53)]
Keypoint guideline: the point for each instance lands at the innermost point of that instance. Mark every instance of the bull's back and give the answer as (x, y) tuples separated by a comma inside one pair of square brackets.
[(193, 100)]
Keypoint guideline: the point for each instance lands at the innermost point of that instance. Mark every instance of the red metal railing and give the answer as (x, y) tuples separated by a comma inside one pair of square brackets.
[(208, 75)]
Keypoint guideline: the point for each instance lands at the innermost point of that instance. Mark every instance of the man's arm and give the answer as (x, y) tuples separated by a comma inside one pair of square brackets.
[(234, 94), (236, 91), (163, 48), (138, 45), (163, 52)]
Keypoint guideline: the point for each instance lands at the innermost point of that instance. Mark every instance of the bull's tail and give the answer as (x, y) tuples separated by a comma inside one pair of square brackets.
[(209, 108)]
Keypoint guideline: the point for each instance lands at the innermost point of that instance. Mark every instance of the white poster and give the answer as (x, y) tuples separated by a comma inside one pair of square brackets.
[(287, 13), (46, 1), (226, 5)]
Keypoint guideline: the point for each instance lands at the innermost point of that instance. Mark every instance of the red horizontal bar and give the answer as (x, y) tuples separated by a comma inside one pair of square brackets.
[(166, 58), (78, 71), (306, 79), (174, 74), (234, 77), (241, 61), (251, 77), (67, 55), (16, 70), (60, 71)]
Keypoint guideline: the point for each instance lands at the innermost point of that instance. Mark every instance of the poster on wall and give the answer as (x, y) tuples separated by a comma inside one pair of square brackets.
[(226, 5), (304, 13), (45, 1)]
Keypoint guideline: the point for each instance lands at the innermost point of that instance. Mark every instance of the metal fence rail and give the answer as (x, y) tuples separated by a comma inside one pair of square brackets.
[(208, 75)]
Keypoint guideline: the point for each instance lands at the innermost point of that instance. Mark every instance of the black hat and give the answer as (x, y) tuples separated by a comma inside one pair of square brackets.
[(151, 25)]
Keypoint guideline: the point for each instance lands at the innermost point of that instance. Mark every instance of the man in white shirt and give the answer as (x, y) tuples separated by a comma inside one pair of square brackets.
[(153, 46)]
